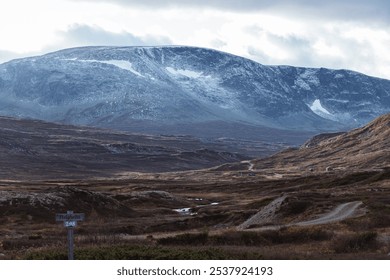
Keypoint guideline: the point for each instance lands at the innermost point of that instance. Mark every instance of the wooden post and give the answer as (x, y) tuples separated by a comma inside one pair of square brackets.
[(70, 244), (70, 222)]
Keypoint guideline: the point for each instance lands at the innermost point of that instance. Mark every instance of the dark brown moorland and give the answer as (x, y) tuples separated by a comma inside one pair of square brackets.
[(329, 199)]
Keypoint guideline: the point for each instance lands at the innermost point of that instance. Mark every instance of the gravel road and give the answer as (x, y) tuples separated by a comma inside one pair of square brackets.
[(341, 212), (266, 215)]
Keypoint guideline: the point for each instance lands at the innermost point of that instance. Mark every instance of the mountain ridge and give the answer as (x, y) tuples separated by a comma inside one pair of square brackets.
[(179, 86)]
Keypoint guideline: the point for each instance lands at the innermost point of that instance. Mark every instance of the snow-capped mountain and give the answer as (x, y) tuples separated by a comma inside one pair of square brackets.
[(170, 87)]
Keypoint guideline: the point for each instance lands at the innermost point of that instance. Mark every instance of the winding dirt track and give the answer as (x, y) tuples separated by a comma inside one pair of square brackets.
[(340, 213), (251, 166)]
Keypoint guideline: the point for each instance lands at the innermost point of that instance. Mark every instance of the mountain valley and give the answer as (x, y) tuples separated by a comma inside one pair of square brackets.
[(188, 153), (289, 205)]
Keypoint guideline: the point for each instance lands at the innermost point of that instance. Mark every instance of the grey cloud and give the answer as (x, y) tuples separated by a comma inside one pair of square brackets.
[(85, 35), (224, 4), (94, 35), (300, 48), (354, 53), (217, 43), (378, 10), (258, 55), (300, 54)]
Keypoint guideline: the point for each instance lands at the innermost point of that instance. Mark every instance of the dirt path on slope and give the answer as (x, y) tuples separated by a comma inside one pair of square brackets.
[(251, 165), (341, 212), (265, 215)]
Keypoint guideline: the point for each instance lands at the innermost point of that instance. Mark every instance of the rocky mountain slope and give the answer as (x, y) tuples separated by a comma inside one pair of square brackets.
[(365, 148), (187, 90)]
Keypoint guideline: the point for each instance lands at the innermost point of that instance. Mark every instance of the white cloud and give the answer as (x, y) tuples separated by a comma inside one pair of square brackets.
[(79, 34), (324, 44), (336, 34), (344, 9)]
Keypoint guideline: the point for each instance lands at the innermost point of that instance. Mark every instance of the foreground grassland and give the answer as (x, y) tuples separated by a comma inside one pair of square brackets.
[(315, 243), (136, 218)]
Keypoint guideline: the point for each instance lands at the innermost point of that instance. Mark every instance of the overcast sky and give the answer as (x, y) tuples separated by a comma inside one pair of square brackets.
[(350, 34)]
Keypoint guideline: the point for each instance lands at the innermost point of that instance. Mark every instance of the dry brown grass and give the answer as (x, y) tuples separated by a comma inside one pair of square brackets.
[(309, 196)]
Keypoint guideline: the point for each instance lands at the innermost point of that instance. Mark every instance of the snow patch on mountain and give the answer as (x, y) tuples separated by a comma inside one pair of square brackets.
[(319, 110), (343, 101), (123, 64), (183, 72), (316, 107)]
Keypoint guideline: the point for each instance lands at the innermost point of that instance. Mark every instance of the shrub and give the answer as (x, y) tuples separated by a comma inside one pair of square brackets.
[(185, 239), (238, 239), (380, 221), (356, 242), (296, 207), (25, 243), (249, 238), (126, 252), (296, 235)]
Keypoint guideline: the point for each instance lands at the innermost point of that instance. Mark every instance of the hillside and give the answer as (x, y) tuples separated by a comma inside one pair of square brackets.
[(365, 148), (36, 149), (186, 90)]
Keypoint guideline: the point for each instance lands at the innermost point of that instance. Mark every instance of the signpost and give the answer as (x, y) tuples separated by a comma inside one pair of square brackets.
[(70, 220)]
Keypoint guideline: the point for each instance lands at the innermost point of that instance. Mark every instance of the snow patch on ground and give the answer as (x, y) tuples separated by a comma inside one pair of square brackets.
[(319, 110), (182, 210), (185, 211), (123, 64), (316, 107), (182, 72), (338, 100)]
